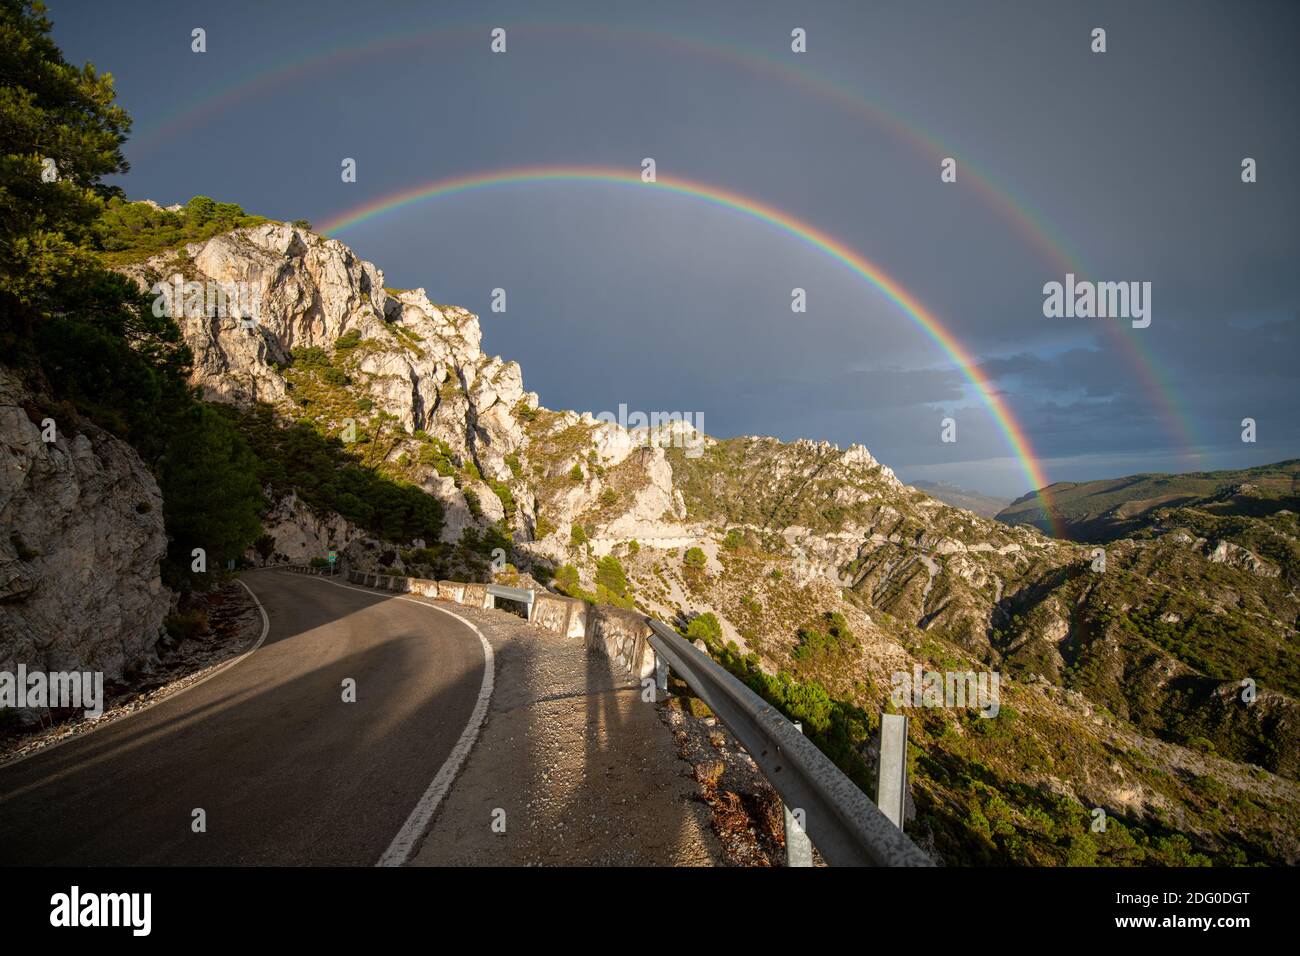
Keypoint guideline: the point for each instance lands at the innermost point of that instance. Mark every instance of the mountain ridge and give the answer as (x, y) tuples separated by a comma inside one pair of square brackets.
[(986, 506), (1107, 509)]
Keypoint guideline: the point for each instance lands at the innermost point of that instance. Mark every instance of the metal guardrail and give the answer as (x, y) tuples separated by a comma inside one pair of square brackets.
[(523, 595), (846, 827)]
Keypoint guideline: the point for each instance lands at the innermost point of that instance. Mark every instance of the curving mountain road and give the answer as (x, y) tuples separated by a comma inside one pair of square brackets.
[(286, 771)]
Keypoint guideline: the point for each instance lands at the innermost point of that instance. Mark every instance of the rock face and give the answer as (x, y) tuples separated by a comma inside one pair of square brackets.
[(79, 557), (1225, 552), (309, 291), (417, 363), (420, 366), (301, 534)]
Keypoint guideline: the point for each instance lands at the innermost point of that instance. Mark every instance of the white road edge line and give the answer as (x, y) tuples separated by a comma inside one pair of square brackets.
[(404, 844), (221, 668)]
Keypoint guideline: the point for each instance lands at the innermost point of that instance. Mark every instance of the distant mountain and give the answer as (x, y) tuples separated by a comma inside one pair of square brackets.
[(984, 505), (1106, 510)]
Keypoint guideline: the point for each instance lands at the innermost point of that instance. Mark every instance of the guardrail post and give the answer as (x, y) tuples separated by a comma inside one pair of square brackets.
[(846, 826), (661, 672), (891, 781), (798, 848)]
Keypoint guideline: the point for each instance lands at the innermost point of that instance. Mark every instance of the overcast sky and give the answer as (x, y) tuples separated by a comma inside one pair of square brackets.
[(1128, 162)]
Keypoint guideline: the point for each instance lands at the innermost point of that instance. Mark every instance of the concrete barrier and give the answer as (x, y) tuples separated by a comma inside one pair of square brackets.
[(560, 615), (622, 636), (475, 595)]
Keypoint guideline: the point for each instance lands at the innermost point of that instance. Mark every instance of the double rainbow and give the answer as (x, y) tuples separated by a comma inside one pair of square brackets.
[(1011, 429), (1017, 212)]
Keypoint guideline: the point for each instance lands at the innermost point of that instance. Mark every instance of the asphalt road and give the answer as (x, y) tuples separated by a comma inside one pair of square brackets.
[(286, 771)]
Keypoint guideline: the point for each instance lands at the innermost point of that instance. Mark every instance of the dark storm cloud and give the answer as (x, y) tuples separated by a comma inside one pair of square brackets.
[(1127, 163)]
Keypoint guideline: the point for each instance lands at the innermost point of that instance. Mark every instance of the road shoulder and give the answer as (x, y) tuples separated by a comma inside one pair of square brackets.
[(572, 767)]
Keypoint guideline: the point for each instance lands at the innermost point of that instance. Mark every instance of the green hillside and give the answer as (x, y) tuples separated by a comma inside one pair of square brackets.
[(1113, 508)]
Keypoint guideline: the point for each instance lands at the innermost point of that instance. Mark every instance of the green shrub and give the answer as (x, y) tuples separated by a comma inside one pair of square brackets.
[(347, 341), (310, 356), (502, 491), (334, 376), (830, 639), (566, 576), (611, 583), (133, 231), (436, 453), (695, 559), (471, 501), (705, 627), (838, 728)]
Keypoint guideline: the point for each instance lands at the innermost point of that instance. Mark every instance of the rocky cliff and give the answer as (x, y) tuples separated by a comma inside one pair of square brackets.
[(83, 537)]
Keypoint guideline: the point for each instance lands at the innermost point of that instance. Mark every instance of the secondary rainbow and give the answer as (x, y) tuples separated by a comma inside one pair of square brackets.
[(1016, 210), (1011, 429)]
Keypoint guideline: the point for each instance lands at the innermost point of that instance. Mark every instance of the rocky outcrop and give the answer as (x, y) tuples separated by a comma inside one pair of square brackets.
[(1225, 552), (79, 555), (300, 533), (418, 364)]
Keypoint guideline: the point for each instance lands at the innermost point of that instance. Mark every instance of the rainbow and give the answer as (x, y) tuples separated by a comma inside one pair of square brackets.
[(1015, 435), (1034, 230)]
